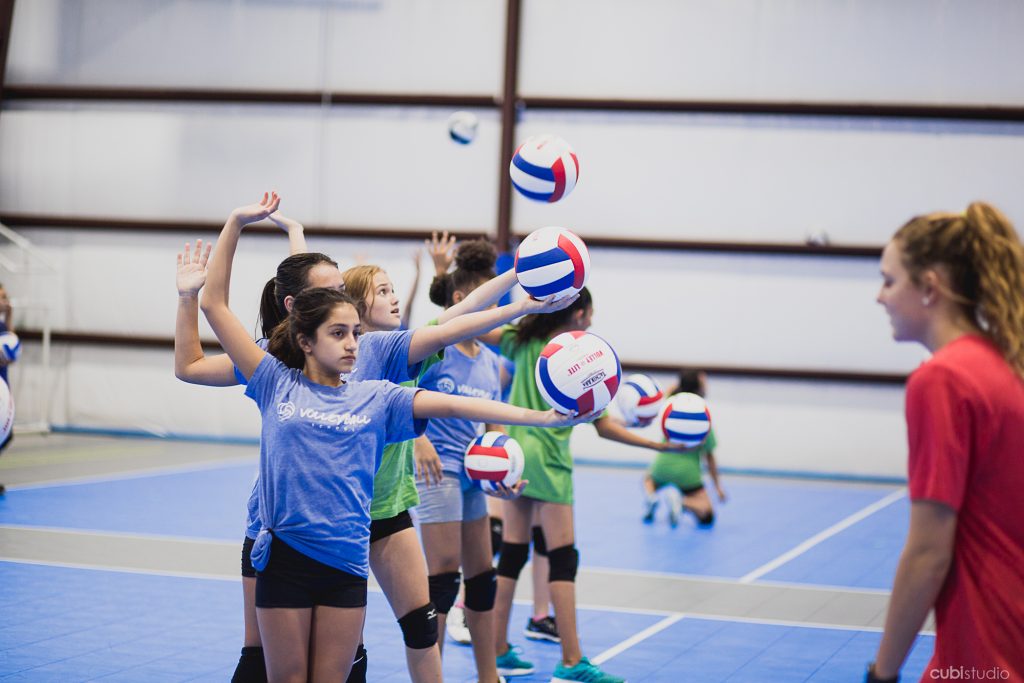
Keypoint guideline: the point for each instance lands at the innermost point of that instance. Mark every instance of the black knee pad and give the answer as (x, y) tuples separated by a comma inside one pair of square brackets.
[(706, 520), (540, 547), (358, 672), (251, 666), (480, 591), (563, 563), (419, 627), (444, 590), (513, 559), (496, 528)]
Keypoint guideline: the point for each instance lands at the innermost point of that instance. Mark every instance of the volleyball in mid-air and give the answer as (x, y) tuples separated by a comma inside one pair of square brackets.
[(494, 458), (462, 127), (544, 168), (578, 372), (685, 419), (550, 261), (10, 346), (6, 411), (639, 400)]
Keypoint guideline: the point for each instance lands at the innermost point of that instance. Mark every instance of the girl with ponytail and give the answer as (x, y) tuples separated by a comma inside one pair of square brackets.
[(954, 283)]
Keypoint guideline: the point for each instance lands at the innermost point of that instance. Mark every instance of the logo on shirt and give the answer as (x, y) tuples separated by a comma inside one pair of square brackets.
[(346, 422), (446, 384), (285, 410)]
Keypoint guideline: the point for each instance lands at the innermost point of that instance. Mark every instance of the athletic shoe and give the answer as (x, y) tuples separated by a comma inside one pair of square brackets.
[(650, 503), (675, 509), (584, 671), (455, 624), (542, 629), (509, 664)]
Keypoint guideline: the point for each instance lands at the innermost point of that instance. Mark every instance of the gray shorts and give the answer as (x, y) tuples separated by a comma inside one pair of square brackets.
[(454, 499)]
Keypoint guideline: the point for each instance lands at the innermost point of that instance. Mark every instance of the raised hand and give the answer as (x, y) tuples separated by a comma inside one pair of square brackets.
[(192, 269), (441, 250), (253, 213), (283, 222), (548, 304)]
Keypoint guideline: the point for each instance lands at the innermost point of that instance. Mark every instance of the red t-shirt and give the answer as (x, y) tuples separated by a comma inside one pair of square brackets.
[(965, 422)]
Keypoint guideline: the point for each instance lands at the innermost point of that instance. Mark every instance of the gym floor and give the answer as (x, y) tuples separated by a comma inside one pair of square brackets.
[(119, 561)]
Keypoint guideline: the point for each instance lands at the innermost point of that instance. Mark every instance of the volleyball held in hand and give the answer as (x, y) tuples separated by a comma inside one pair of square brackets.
[(686, 419), (10, 346), (462, 127), (544, 168), (6, 411), (552, 261), (494, 458), (578, 372), (639, 400)]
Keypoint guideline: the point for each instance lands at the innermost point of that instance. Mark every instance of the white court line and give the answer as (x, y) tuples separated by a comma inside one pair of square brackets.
[(137, 474), (643, 573), (636, 638), (824, 535), (130, 535)]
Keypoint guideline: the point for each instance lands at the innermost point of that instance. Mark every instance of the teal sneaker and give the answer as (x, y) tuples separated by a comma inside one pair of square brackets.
[(584, 671), (509, 664)]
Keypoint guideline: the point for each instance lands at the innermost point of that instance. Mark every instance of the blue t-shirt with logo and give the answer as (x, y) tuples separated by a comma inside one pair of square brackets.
[(319, 449), (382, 355), (458, 374)]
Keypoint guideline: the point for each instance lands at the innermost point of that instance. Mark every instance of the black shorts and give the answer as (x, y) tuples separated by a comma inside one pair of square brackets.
[(248, 571), (296, 581), (691, 490), (382, 528)]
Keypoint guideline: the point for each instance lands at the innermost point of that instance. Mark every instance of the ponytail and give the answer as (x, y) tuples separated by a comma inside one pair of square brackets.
[(292, 277)]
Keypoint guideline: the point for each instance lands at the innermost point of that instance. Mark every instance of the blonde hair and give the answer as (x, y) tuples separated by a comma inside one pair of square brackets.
[(359, 283), (984, 258)]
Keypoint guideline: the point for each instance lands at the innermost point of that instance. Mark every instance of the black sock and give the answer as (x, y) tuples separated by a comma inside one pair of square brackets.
[(251, 667), (358, 672)]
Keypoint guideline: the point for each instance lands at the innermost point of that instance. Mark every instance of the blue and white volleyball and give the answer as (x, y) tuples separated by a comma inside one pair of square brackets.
[(462, 127), (544, 168), (686, 419), (494, 458), (10, 346), (578, 372), (6, 411), (552, 261), (639, 400)]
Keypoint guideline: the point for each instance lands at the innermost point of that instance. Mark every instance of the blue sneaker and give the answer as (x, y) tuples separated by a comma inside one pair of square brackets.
[(509, 664), (584, 671)]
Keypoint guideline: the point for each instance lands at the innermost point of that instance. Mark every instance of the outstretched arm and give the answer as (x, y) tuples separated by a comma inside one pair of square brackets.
[(296, 233), (190, 365), (432, 404), (233, 336), (431, 339), (484, 296), (613, 430)]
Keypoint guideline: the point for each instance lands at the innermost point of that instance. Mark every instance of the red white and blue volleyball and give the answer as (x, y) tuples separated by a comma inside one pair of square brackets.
[(6, 411), (544, 168), (639, 400), (686, 419), (462, 127), (494, 458), (578, 372), (554, 261)]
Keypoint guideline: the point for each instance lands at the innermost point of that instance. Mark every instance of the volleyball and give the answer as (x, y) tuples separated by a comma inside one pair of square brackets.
[(578, 372), (639, 400), (492, 458), (10, 346), (462, 127), (544, 168), (550, 261), (6, 411), (685, 419)]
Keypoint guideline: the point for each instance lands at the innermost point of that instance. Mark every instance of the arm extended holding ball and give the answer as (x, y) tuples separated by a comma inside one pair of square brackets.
[(610, 428)]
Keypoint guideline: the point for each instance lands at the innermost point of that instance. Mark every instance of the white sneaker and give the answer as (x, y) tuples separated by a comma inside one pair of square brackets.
[(675, 507), (456, 626)]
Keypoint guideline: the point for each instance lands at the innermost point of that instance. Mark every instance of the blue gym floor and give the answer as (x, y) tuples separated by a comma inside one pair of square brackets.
[(67, 623)]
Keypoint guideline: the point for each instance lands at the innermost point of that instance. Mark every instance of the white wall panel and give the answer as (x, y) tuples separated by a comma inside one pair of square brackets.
[(774, 179), (351, 166), (912, 51), (375, 45)]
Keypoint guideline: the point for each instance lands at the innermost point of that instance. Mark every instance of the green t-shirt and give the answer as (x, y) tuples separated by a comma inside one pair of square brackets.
[(682, 469), (394, 485)]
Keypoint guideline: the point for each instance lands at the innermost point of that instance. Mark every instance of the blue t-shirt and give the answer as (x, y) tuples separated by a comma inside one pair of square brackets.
[(462, 375), (319, 449), (382, 355)]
